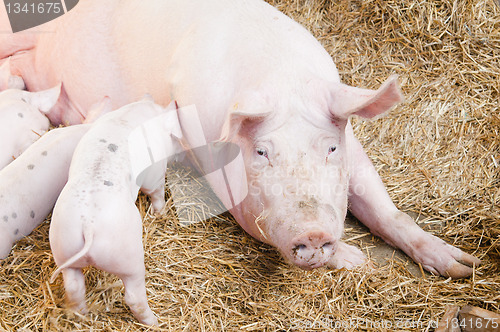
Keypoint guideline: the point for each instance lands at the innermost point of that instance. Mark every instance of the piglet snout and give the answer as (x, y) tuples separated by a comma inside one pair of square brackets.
[(312, 249)]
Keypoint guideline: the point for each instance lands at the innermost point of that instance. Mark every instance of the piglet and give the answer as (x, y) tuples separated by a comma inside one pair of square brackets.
[(23, 119), (95, 220), (30, 185)]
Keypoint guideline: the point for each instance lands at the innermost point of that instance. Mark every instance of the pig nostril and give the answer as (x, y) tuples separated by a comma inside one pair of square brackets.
[(298, 247), (327, 245)]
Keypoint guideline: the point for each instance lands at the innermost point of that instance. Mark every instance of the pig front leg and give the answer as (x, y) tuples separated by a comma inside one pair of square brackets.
[(154, 186), (371, 204), (157, 198)]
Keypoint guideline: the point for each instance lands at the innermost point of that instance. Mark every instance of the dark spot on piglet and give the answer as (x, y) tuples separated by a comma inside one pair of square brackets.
[(21, 115), (14, 215), (103, 140), (16, 231), (32, 214), (112, 147), (31, 166), (5, 218), (44, 153), (108, 183)]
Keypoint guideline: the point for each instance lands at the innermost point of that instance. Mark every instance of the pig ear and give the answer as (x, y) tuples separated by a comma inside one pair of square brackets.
[(99, 109), (251, 108), (237, 120), (347, 100), (44, 100)]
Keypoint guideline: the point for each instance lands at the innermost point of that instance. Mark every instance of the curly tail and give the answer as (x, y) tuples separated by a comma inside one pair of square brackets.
[(88, 238)]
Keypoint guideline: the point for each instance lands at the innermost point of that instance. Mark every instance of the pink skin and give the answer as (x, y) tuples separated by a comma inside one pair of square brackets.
[(256, 78), (101, 177)]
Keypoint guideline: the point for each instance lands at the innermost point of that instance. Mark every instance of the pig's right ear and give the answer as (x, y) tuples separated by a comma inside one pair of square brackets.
[(347, 100), (251, 110), (238, 121), (44, 100)]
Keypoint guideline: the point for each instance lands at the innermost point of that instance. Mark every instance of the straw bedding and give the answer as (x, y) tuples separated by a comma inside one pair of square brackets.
[(438, 154)]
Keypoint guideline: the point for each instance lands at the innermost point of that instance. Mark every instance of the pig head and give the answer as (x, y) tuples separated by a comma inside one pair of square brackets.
[(297, 165)]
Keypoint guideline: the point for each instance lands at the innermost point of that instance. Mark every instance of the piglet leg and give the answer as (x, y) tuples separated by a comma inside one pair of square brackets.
[(157, 198), (371, 204), (154, 186), (74, 284)]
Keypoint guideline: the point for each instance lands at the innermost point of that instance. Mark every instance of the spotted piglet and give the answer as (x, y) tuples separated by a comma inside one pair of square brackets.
[(23, 119), (30, 185), (95, 220)]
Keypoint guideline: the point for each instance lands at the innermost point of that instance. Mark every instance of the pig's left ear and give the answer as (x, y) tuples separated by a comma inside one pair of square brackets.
[(347, 100)]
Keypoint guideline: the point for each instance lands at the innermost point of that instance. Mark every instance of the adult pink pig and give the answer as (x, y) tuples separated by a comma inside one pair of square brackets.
[(258, 79)]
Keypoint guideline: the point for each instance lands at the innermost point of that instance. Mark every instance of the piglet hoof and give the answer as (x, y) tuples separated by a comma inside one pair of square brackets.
[(152, 321), (440, 258), (80, 308), (158, 209), (347, 256)]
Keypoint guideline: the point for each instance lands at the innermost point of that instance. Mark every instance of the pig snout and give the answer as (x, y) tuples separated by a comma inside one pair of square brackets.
[(312, 249)]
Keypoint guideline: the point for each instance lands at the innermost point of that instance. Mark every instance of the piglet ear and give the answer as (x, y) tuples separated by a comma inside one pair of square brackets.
[(347, 100), (98, 110), (44, 100)]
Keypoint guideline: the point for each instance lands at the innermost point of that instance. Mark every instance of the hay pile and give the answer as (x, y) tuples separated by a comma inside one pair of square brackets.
[(438, 153)]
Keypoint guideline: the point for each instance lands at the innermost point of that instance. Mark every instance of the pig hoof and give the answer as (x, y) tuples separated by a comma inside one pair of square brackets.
[(347, 256), (80, 308), (440, 258), (151, 321)]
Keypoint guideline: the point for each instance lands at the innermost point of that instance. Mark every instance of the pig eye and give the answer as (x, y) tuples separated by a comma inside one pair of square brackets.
[(331, 149), (262, 152)]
